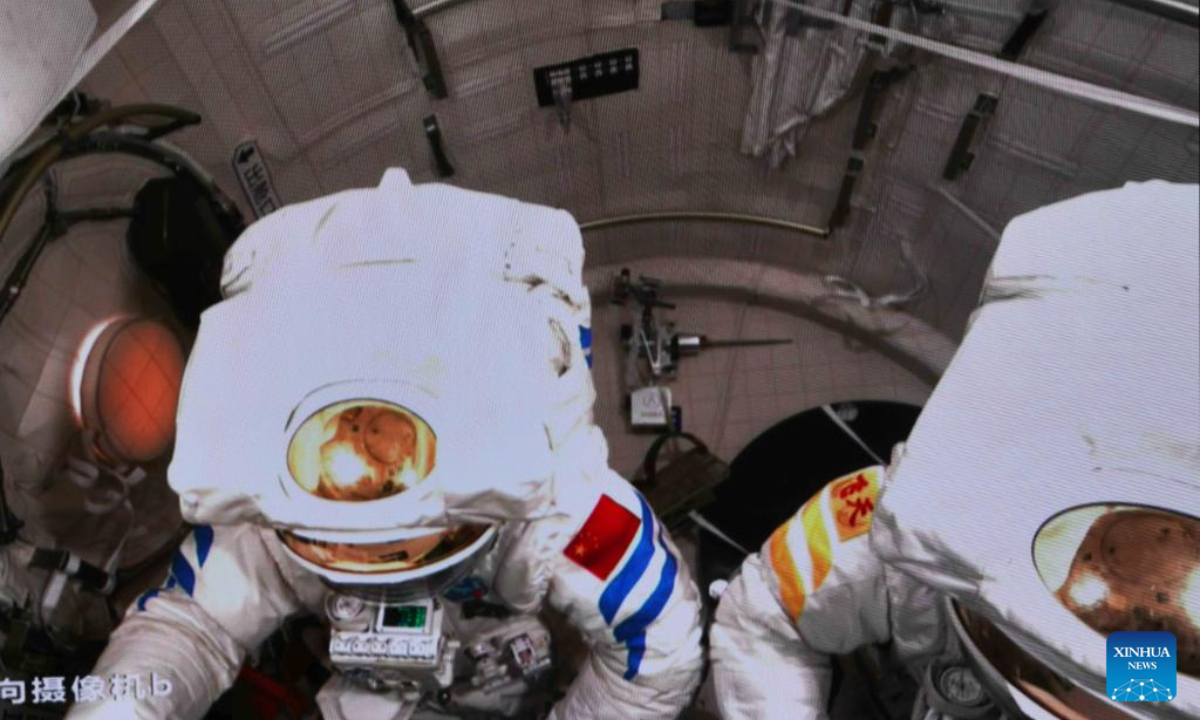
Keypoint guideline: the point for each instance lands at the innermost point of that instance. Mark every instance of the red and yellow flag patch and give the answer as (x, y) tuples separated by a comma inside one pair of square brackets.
[(602, 541)]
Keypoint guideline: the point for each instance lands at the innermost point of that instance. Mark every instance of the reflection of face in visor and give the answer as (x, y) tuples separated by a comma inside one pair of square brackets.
[(1138, 569), (1115, 568), (363, 450)]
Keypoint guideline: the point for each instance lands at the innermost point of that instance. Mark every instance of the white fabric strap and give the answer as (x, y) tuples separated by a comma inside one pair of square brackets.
[(1024, 73)]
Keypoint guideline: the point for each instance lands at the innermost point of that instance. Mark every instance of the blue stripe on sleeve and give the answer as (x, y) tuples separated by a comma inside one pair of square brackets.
[(623, 583), (141, 603), (181, 572), (585, 341), (637, 649), (632, 630), (152, 593), (204, 541)]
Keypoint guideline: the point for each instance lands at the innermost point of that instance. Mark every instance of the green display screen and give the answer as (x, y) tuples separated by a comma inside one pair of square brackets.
[(404, 616)]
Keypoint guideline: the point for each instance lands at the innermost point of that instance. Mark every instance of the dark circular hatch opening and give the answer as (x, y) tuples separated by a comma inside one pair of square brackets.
[(772, 476)]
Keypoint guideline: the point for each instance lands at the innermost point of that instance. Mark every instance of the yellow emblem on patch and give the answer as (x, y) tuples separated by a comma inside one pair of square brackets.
[(852, 500)]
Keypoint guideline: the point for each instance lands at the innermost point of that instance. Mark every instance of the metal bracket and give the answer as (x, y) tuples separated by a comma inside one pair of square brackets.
[(866, 129), (961, 156), (1023, 34), (703, 13), (433, 133), (841, 210), (421, 42)]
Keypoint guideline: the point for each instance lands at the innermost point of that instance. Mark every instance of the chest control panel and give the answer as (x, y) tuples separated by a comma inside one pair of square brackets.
[(406, 635)]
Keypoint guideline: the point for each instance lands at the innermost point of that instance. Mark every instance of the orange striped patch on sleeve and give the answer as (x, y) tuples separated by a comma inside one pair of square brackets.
[(818, 540), (852, 500), (851, 506), (791, 587)]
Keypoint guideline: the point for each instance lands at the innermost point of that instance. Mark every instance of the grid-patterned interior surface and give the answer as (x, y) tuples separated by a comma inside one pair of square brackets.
[(331, 92), (332, 95), (728, 396), (137, 390)]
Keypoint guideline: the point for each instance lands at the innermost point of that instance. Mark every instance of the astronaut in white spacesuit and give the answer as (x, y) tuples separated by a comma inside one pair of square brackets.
[(1048, 496), (390, 414)]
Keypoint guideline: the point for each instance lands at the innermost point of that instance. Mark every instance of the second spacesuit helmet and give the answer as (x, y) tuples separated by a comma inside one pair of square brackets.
[(1051, 487), (361, 450)]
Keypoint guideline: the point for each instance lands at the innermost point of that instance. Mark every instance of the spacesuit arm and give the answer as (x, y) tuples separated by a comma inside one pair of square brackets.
[(613, 571), (225, 594), (815, 590)]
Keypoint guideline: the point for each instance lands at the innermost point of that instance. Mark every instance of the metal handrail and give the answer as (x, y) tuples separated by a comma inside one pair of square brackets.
[(692, 216)]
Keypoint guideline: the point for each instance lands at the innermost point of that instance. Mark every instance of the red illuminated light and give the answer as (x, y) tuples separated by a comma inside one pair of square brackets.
[(125, 387)]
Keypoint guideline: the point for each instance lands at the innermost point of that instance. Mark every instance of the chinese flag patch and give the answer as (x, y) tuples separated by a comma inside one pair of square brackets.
[(601, 542)]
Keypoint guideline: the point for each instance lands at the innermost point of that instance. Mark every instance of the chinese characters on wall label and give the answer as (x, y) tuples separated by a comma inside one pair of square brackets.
[(251, 169)]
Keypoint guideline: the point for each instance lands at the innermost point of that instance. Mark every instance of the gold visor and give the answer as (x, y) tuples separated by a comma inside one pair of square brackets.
[(387, 557), (360, 450), (1121, 567)]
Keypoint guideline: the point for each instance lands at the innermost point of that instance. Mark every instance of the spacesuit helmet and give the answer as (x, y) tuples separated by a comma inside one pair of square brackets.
[(393, 374), (1071, 412)]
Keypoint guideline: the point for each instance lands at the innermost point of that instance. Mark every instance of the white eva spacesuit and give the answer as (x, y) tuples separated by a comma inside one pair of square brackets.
[(1048, 496), (392, 409)]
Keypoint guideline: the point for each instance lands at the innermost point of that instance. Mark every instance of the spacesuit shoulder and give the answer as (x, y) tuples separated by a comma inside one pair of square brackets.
[(234, 575), (597, 522), (586, 537), (821, 567), (606, 558)]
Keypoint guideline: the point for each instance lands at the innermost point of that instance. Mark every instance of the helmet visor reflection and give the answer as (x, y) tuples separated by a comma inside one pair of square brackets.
[(387, 557), (1122, 567)]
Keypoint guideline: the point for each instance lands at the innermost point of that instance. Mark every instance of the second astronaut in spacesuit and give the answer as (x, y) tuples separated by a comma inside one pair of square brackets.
[(390, 413), (1047, 501)]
